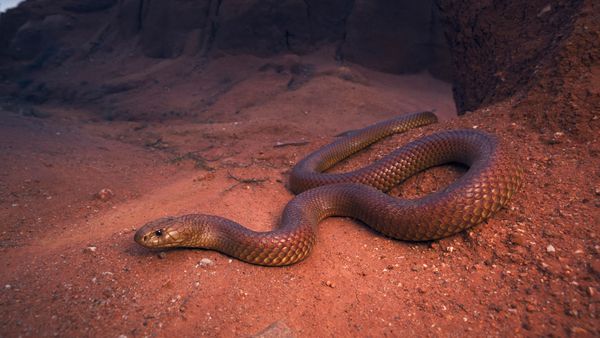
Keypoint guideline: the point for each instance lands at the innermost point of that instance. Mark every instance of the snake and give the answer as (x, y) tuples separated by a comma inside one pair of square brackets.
[(492, 177)]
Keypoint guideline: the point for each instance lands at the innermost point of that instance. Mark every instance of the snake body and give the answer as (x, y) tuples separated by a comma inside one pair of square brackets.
[(492, 178)]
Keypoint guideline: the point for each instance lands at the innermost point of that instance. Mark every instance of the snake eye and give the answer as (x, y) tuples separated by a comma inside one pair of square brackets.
[(158, 232)]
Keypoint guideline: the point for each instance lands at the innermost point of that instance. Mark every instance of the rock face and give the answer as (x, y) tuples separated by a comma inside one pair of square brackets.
[(394, 36), (497, 47), (166, 26), (35, 37), (541, 53)]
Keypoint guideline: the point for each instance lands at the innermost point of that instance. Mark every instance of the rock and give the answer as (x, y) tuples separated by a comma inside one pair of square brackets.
[(162, 255), (166, 26), (90, 249), (37, 36), (276, 330), (263, 27), (550, 248), (576, 330), (33, 112), (402, 34), (204, 262), (517, 238), (434, 245), (595, 267), (127, 18), (88, 6), (105, 194), (530, 308), (552, 267)]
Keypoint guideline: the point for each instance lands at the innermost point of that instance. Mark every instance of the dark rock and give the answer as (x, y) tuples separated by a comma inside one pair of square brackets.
[(88, 6), (391, 36), (37, 94), (10, 22), (128, 17), (167, 25), (263, 27), (328, 19), (33, 112), (37, 36)]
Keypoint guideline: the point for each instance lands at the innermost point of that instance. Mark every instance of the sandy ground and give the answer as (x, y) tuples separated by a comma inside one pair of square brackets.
[(187, 137)]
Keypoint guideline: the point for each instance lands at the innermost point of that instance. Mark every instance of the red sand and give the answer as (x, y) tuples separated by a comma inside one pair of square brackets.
[(71, 267)]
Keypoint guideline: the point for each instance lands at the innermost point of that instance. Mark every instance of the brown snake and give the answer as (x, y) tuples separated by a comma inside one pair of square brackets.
[(489, 183)]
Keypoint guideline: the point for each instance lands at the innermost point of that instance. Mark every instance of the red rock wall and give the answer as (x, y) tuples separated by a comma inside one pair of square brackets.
[(543, 55), (393, 36), (497, 45)]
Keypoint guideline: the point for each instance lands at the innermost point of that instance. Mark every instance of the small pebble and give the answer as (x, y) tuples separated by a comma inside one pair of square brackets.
[(205, 262), (90, 249), (550, 248), (578, 330), (162, 255), (330, 284), (7, 286), (105, 194), (518, 239), (591, 291)]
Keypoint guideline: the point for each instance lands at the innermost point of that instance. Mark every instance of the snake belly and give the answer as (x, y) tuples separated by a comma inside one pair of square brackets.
[(492, 178)]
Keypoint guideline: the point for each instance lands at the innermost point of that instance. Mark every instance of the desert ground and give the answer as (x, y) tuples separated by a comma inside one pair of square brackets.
[(76, 186)]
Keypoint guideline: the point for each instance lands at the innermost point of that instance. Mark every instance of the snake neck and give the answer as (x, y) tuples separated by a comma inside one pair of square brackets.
[(283, 246)]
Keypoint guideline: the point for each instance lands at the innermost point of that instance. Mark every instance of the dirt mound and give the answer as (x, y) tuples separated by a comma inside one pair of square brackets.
[(541, 56)]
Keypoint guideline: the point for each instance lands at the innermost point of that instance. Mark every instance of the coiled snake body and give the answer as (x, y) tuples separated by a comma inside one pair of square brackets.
[(489, 183)]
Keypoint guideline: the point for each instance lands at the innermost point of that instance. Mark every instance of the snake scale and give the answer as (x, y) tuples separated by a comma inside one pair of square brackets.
[(492, 178)]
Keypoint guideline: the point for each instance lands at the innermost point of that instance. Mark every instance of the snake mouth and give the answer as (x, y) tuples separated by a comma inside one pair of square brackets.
[(139, 238), (144, 239)]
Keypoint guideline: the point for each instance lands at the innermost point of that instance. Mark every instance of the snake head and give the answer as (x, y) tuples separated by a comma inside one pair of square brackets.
[(161, 233)]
